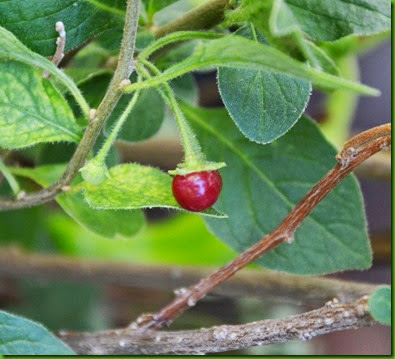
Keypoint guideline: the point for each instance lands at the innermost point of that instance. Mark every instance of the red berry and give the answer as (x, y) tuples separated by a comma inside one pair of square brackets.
[(197, 191)]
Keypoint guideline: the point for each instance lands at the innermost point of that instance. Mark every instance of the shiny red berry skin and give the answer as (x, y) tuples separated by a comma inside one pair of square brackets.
[(197, 191)]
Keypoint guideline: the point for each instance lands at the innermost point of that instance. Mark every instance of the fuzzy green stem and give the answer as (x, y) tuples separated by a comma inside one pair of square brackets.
[(10, 178), (101, 156), (193, 154), (340, 106), (177, 37)]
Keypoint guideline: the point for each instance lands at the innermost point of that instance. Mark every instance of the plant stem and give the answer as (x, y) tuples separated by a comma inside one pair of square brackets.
[(203, 17), (10, 178), (101, 156), (176, 37), (114, 93), (340, 105), (327, 319), (363, 146), (192, 150)]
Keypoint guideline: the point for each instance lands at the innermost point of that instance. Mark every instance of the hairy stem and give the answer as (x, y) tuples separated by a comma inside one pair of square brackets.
[(114, 93), (192, 149), (363, 146)]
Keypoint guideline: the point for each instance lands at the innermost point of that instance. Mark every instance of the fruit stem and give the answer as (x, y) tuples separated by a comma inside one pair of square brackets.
[(194, 156)]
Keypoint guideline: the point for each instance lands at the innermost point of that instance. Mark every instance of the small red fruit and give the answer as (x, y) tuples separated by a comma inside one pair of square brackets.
[(197, 191)]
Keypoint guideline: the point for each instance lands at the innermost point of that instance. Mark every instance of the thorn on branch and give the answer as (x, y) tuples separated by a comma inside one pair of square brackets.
[(60, 46)]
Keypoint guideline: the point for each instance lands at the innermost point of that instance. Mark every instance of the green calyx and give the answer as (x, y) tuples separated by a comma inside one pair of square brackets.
[(185, 168), (195, 160)]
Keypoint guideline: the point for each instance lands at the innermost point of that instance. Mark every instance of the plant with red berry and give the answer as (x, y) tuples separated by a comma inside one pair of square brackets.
[(259, 172)]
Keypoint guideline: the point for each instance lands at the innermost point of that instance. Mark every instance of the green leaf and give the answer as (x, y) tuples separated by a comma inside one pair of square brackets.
[(132, 186), (20, 336), (322, 58), (162, 242), (34, 24), (331, 20), (380, 305), (263, 104), (11, 49), (32, 110), (106, 223), (144, 120), (116, 7), (261, 184), (237, 52)]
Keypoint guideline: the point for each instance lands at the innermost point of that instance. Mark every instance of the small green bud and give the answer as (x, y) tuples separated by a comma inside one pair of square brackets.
[(94, 172)]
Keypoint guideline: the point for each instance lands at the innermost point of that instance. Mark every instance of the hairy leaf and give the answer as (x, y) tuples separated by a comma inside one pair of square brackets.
[(331, 20), (34, 24), (237, 52), (106, 223), (380, 305), (133, 186), (263, 104), (31, 109), (261, 184), (20, 336), (11, 49)]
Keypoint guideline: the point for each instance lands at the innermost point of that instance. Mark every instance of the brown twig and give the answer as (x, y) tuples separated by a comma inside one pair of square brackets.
[(300, 290), (355, 152), (330, 318)]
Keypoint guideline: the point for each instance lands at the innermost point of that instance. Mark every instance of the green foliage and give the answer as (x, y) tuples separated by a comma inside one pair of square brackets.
[(31, 235), (106, 223), (11, 49), (265, 83), (237, 52), (45, 303), (257, 99), (34, 24), (330, 20), (132, 186), (22, 336), (31, 109), (261, 184), (179, 240), (380, 305), (143, 121)]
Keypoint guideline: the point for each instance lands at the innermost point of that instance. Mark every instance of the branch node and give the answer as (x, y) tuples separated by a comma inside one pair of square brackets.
[(123, 83), (21, 195)]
